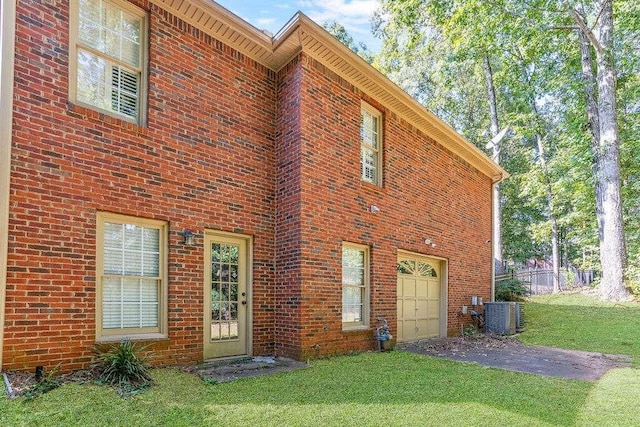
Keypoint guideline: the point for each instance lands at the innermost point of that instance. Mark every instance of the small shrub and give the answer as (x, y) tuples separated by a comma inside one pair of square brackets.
[(633, 280), (511, 290), (470, 331), (46, 384), (123, 367), (210, 381)]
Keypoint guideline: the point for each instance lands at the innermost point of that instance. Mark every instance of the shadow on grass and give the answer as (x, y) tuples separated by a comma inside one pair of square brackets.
[(393, 383), (589, 325), (369, 389), (613, 400)]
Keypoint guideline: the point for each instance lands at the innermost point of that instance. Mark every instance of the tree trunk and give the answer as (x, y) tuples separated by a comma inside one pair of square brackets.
[(590, 85), (495, 128), (555, 246), (612, 247)]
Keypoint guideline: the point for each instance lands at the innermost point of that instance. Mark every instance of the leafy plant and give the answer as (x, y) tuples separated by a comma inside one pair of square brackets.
[(470, 331), (210, 380), (46, 384), (633, 279), (123, 367), (511, 290)]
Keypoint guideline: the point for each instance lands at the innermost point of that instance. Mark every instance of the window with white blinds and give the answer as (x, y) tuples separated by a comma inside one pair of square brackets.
[(131, 274), (108, 54), (355, 285), (370, 144)]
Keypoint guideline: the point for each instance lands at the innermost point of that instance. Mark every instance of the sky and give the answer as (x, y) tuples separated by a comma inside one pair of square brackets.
[(272, 15)]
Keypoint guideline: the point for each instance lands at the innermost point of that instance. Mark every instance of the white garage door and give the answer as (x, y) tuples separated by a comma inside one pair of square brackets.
[(419, 297)]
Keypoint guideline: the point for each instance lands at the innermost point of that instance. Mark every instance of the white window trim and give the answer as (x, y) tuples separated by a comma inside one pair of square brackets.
[(160, 332), (74, 19), (364, 324), (378, 115)]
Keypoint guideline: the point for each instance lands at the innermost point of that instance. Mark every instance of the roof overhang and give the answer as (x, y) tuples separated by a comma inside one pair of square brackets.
[(301, 34)]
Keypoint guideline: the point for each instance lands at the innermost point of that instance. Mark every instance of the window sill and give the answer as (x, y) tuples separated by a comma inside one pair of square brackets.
[(359, 328), (371, 187), (87, 112), (110, 339)]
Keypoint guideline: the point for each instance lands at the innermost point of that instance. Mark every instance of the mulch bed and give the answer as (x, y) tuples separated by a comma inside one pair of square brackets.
[(19, 382)]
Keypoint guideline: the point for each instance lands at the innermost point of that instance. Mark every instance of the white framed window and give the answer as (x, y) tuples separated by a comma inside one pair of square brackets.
[(370, 145), (107, 57), (355, 285), (131, 277)]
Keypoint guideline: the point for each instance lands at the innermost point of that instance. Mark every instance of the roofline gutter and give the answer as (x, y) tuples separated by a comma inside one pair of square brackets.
[(7, 47)]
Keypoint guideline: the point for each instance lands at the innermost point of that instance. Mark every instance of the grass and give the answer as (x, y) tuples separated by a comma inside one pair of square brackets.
[(368, 389), (582, 322), (377, 388)]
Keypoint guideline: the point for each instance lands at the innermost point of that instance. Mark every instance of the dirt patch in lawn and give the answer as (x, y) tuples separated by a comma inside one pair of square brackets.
[(509, 353)]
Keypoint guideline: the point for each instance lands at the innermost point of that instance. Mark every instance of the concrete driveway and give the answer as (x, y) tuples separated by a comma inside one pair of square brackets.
[(511, 354)]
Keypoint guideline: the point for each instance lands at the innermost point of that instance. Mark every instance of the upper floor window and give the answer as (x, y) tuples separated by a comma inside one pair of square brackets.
[(107, 57), (370, 145)]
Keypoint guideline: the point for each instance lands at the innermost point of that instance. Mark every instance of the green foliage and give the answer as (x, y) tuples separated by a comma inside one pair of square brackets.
[(470, 331), (122, 366), (434, 50), (340, 32), (210, 380), (633, 279), (46, 384), (511, 290)]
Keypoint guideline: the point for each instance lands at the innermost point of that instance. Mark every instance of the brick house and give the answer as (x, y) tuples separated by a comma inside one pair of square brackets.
[(170, 174)]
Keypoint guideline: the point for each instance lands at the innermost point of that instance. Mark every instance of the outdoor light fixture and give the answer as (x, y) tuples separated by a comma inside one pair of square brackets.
[(374, 209), (188, 238), (429, 242)]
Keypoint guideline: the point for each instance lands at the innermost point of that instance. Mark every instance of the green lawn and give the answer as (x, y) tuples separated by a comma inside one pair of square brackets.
[(369, 389), (577, 321)]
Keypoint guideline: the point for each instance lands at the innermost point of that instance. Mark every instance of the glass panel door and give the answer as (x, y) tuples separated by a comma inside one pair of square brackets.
[(224, 291), (226, 302)]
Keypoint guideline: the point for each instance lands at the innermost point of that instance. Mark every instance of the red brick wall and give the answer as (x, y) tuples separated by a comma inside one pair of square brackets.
[(288, 211), (205, 160), (229, 145), (427, 192)]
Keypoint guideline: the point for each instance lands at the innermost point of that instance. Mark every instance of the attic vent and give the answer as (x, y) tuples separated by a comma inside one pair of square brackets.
[(503, 318)]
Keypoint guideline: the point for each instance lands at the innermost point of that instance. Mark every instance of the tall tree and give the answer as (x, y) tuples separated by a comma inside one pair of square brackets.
[(495, 144), (607, 152), (504, 30)]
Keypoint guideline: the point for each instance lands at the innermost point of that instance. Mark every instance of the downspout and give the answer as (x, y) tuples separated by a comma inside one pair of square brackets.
[(492, 243), (7, 47), (495, 181)]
